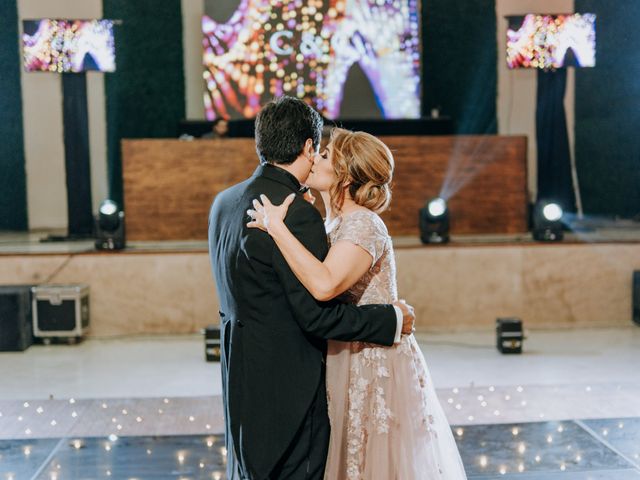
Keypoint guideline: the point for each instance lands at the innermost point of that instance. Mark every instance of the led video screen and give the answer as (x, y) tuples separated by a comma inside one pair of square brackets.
[(60, 46), (551, 41), (307, 49)]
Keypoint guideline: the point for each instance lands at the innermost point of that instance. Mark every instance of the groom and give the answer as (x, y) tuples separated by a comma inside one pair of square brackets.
[(273, 331)]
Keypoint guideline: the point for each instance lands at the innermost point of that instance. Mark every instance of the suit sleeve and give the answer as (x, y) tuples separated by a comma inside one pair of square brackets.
[(329, 320)]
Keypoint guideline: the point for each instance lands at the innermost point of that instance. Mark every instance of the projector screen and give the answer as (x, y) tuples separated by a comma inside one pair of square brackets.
[(60, 46), (311, 49), (551, 41)]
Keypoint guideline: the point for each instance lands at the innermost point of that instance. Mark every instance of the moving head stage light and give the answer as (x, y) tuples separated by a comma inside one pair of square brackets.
[(110, 227), (547, 222), (434, 221), (509, 335)]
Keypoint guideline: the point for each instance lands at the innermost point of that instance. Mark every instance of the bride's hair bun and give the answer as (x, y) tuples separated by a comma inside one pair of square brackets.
[(365, 164)]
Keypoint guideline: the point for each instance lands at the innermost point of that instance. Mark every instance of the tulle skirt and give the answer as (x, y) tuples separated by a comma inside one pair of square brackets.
[(386, 420)]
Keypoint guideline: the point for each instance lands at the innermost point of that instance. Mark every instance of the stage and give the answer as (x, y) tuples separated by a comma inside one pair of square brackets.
[(167, 287)]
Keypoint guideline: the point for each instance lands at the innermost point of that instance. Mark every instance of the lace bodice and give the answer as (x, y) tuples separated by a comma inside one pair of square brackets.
[(367, 230)]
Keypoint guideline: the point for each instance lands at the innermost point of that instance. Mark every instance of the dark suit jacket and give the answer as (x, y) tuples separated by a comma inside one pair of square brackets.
[(273, 331)]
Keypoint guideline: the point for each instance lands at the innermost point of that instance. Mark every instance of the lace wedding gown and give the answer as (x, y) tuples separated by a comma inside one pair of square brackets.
[(386, 421)]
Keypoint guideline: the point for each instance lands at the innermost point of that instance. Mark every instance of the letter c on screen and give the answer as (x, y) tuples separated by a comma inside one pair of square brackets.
[(284, 50)]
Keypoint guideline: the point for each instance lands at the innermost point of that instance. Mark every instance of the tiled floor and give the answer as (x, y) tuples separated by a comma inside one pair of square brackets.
[(159, 366), (568, 450)]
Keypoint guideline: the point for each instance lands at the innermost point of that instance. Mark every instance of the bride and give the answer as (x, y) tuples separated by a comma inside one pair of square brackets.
[(373, 392)]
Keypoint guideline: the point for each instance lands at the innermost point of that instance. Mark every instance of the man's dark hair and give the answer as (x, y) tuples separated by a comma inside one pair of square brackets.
[(282, 128)]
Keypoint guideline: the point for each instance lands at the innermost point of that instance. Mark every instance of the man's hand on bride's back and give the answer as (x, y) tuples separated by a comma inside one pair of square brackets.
[(409, 317), (267, 216)]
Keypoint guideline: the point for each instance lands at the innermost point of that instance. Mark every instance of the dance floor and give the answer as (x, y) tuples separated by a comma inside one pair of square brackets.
[(149, 408), (564, 450)]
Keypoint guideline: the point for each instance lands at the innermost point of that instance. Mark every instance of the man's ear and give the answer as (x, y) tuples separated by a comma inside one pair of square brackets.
[(308, 148)]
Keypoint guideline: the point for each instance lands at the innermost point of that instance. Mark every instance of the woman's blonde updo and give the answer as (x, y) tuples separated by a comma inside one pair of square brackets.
[(366, 165)]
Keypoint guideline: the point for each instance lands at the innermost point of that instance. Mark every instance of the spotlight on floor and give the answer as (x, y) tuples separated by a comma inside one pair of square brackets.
[(509, 335), (110, 227), (212, 343), (547, 222), (434, 221)]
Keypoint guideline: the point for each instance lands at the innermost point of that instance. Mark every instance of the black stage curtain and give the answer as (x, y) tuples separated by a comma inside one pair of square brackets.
[(146, 95), (554, 155), (13, 180), (608, 112), (459, 63)]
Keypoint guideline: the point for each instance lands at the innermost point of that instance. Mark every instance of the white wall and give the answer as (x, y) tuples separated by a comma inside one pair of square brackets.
[(517, 88), (43, 128), (192, 11)]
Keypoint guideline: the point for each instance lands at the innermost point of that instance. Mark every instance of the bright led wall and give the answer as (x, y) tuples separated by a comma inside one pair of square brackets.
[(60, 46), (268, 48), (545, 41)]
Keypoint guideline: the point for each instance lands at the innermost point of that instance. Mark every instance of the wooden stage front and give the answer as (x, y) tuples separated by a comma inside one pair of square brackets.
[(168, 289)]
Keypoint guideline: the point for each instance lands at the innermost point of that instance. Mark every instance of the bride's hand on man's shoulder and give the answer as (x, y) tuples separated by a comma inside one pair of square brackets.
[(267, 216)]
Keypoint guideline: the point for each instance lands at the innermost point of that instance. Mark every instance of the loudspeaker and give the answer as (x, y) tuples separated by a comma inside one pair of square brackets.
[(16, 334), (636, 297)]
